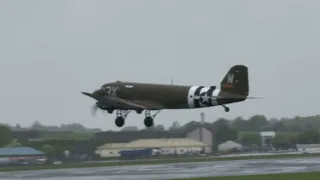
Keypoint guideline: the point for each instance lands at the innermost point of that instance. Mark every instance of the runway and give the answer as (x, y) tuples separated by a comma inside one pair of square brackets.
[(170, 171)]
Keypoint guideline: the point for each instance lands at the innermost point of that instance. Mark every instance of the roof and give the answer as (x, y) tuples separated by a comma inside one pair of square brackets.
[(167, 142), (267, 133), (155, 143), (229, 143), (15, 151), (113, 146)]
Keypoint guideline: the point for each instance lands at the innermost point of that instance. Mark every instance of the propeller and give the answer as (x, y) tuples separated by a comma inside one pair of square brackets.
[(94, 109), (97, 96)]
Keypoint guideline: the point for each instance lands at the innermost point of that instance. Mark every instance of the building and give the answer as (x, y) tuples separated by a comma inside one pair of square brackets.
[(229, 146), (20, 155), (164, 146), (266, 135), (111, 150), (308, 148), (202, 135)]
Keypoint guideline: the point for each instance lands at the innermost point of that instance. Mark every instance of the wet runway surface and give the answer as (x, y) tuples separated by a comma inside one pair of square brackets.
[(170, 171)]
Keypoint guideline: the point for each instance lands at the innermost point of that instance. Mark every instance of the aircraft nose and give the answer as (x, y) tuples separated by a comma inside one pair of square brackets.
[(95, 95), (89, 94), (98, 92)]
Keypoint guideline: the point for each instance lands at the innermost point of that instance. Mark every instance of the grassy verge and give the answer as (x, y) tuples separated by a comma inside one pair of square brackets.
[(151, 161), (289, 176)]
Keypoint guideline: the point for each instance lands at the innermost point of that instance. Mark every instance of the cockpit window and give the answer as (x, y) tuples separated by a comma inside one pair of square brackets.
[(99, 92)]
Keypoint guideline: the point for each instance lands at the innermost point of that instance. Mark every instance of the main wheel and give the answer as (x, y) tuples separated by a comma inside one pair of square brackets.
[(119, 121), (227, 109), (148, 121)]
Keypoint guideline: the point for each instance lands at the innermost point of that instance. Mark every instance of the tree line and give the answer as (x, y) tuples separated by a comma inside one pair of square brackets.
[(73, 127), (289, 132)]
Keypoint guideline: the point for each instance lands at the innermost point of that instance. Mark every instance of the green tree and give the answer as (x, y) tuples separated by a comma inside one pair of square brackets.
[(220, 122), (14, 143), (309, 137), (284, 141), (252, 138), (257, 121), (240, 123), (226, 133), (48, 150), (279, 126), (5, 135)]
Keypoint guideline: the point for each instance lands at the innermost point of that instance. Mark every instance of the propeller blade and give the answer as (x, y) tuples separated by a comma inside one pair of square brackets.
[(94, 109)]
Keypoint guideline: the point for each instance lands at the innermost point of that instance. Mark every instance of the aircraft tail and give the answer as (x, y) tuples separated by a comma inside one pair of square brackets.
[(236, 81)]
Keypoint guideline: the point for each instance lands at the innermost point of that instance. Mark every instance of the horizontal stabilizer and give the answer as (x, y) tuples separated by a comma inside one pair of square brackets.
[(236, 97)]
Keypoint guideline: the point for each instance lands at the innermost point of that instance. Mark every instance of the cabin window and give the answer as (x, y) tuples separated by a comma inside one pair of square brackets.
[(129, 86)]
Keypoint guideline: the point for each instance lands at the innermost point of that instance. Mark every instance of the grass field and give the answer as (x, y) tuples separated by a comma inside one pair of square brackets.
[(151, 161), (290, 176)]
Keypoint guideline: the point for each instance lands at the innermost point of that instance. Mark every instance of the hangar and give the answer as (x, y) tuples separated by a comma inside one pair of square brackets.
[(164, 146), (229, 146), (111, 149)]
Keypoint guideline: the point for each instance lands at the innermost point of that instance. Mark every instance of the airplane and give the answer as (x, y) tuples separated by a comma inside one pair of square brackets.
[(125, 97)]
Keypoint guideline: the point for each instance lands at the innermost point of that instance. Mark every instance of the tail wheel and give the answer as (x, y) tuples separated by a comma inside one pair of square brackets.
[(148, 121)]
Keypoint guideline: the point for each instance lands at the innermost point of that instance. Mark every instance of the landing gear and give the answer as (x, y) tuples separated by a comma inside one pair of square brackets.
[(226, 109), (148, 121), (120, 119), (122, 115)]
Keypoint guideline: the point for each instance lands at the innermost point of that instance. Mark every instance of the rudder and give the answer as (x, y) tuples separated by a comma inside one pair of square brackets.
[(236, 81)]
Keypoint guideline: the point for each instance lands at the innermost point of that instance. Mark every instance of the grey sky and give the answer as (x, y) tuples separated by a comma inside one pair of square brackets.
[(53, 50)]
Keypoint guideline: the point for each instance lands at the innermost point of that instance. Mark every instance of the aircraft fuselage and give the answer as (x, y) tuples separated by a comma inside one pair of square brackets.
[(119, 95), (167, 96)]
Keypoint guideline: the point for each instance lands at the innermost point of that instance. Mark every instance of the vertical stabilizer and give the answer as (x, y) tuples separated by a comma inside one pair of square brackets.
[(236, 81)]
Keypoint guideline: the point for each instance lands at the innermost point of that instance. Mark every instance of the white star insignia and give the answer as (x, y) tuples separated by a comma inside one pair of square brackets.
[(205, 98)]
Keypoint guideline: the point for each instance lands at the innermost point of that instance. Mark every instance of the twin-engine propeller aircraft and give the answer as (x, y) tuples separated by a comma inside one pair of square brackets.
[(127, 96)]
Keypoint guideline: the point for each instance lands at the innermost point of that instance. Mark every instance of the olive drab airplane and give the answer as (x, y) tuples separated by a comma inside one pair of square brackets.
[(125, 97)]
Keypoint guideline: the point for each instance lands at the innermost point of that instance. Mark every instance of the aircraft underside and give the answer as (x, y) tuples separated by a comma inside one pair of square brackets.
[(121, 115)]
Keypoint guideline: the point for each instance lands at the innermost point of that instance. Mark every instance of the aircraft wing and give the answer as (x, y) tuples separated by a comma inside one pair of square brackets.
[(149, 104), (135, 104), (125, 104)]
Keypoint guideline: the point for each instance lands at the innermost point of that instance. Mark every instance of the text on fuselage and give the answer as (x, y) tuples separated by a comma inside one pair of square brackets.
[(111, 90)]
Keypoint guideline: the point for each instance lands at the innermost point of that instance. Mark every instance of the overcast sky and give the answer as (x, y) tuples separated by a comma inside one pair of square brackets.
[(50, 51)]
